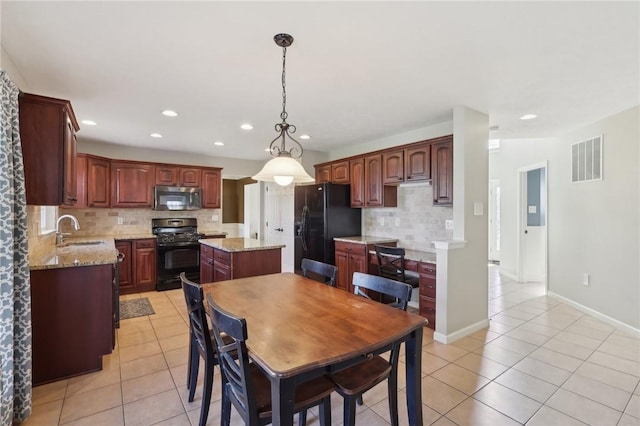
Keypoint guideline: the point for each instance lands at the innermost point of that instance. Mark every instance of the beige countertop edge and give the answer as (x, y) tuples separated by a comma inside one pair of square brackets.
[(366, 239), (71, 256), (232, 245)]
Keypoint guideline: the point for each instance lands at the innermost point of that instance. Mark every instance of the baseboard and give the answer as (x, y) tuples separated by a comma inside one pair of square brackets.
[(450, 338), (510, 275), (602, 317)]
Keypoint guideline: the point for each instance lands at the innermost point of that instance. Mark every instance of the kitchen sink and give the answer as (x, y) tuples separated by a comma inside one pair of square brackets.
[(83, 243)]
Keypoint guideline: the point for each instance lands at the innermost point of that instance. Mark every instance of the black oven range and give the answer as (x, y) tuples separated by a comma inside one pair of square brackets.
[(178, 251)]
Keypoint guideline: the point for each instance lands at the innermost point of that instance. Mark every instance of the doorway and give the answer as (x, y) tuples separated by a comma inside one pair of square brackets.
[(278, 224), (532, 223)]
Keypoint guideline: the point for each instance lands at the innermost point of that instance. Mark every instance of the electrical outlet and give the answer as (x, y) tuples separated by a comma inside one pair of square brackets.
[(448, 224), (586, 279), (214, 217), (120, 221)]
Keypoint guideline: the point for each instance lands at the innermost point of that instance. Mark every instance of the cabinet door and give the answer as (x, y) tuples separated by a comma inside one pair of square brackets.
[(442, 166), (98, 182), (340, 172), (132, 184), (357, 182), (373, 180), (418, 163), (70, 144), (357, 263), (81, 181), (125, 278), (206, 269), (190, 176), (145, 262), (211, 188), (166, 175), (393, 167), (342, 262), (323, 173)]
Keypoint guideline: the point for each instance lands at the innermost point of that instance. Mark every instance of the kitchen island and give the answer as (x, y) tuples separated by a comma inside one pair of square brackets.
[(229, 258), (73, 308)]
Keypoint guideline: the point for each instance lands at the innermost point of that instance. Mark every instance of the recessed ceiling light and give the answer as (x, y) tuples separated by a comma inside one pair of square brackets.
[(169, 113), (155, 135), (246, 126), (305, 137), (218, 143), (89, 122), (528, 116)]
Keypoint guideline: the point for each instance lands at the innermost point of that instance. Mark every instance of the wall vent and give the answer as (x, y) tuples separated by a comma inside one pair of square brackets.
[(586, 160)]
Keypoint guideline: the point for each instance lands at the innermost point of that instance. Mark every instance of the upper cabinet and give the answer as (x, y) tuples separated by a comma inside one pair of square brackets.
[(418, 163), (442, 166), (98, 182), (340, 172), (323, 173), (48, 129), (171, 175), (211, 188), (132, 184), (357, 182), (393, 167)]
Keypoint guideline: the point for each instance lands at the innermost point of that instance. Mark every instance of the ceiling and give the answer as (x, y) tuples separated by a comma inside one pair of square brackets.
[(357, 71)]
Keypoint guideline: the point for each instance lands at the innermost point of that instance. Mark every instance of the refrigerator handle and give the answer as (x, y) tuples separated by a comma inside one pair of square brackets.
[(303, 227)]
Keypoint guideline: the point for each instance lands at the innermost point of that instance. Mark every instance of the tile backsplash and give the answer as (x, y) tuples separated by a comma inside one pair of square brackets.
[(416, 222)]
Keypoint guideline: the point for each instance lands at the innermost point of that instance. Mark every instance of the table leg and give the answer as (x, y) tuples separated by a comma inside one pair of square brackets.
[(413, 348), (282, 394)]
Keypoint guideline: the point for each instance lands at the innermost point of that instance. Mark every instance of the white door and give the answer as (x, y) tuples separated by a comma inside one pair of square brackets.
[(494, 220), (533, 213), (252, 211), (278, 226)]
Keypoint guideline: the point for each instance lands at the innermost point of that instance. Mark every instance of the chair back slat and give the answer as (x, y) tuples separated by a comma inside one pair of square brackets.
[(194, 298), (391, 262), (319, 270), (234, 360), (396, 289)]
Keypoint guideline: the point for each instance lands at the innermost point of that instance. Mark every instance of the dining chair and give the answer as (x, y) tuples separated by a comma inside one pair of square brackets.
[(200, 345), (245, 385), (326, 272), (391, 265), (354, 381)]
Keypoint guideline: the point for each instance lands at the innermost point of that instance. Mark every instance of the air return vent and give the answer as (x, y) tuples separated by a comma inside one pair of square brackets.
[(586, 160)]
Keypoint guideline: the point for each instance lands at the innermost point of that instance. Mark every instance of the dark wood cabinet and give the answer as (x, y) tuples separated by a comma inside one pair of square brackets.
[(427, 300), (48, 129), (323, 173), (125, 267), (340, 172), (375, 193), (418, 163), (137, 271), (98, 182), (356, 167), (350, 258), (211, 188), (72, 320), (206, 264), (144, 263), (393, 167), (171, 175), (442, 168), (81, 182), (132, 184), (221, 265)]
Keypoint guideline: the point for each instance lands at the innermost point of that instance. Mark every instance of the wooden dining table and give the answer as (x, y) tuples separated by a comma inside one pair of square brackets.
[(299, 329)]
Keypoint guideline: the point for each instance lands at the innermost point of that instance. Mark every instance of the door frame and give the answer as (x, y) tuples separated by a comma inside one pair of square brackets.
[(494, 213), (522, 220)]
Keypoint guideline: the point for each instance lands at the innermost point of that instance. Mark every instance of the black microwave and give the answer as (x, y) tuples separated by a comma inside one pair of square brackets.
[(177, 198)]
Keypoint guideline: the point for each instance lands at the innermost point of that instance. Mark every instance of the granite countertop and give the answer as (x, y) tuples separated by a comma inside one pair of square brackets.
[(77, 252), (239, 244), (366, 239), (132, 236), (212, 232)]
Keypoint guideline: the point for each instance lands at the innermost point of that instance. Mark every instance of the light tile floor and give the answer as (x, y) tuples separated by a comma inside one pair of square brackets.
[(540, 362)]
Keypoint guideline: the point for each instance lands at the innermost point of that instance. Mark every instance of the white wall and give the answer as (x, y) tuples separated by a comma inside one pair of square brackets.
[(594, 227)]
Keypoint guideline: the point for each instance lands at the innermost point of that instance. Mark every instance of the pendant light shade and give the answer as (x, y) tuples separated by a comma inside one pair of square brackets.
[(283, 168), (283, 171)]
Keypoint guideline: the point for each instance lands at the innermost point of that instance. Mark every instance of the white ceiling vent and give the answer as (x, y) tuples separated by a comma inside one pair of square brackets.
[(586, 160)]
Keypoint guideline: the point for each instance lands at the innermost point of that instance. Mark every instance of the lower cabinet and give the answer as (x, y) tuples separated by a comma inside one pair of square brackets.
[(427, 301), (137, 271), (206, 264), (350, 258), (72, 320), (219, 265)]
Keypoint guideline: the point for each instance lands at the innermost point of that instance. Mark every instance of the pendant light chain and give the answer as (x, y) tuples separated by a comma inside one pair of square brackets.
[(283, 114)]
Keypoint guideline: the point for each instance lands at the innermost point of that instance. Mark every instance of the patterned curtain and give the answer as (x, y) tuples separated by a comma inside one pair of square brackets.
[(15, 297)]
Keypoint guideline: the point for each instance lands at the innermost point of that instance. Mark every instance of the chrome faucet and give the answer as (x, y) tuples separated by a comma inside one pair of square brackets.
[(60, 235)]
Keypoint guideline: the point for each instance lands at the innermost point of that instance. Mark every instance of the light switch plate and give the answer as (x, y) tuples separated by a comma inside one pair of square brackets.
[(478, 208), (448, 224)]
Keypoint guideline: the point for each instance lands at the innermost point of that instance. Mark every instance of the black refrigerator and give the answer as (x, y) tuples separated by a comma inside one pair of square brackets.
[(322, 212)]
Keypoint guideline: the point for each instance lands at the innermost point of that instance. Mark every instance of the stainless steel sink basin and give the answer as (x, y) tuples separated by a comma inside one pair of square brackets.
[(83, 243)]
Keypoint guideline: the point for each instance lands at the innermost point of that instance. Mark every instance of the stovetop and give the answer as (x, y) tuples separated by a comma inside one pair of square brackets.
[(176, 231)]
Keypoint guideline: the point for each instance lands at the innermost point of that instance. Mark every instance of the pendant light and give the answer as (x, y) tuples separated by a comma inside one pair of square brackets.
[(283, 167)]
